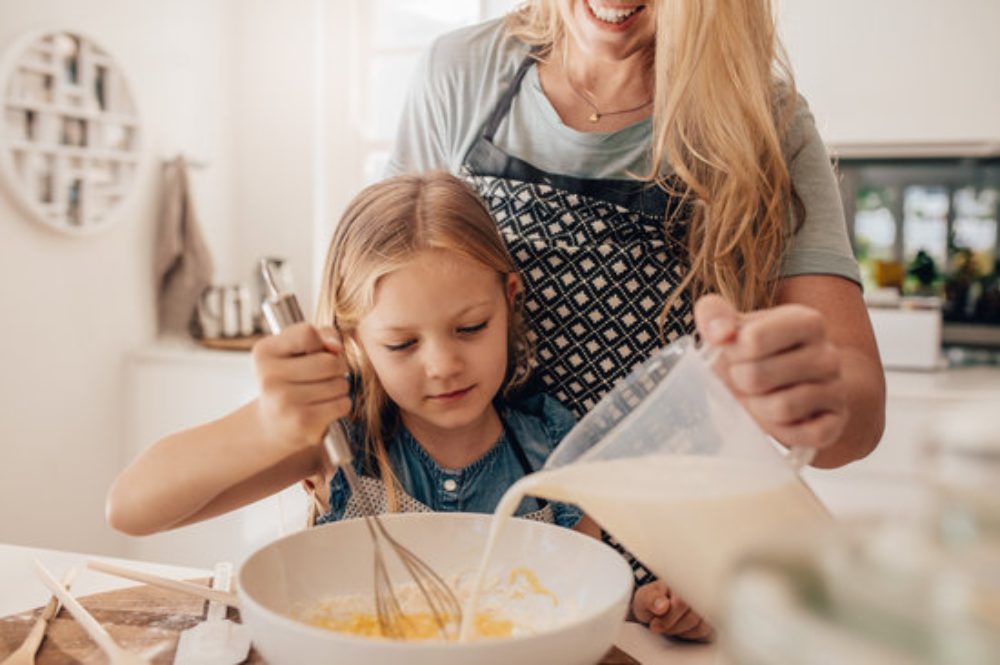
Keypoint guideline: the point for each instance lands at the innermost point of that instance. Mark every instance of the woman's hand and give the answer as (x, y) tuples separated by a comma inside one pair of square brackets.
[(656, 606), (303, 384), (782, 366)]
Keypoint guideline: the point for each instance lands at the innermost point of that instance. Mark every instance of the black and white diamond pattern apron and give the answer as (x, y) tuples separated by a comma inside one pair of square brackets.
[(595, 259), (596, 262)]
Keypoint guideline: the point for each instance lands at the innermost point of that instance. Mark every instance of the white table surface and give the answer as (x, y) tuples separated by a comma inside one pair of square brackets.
[(649, 649), (21, 591)]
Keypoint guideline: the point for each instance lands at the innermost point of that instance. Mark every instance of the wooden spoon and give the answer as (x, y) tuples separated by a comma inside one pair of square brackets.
[(25, 654), (224, 597), (116, 654)]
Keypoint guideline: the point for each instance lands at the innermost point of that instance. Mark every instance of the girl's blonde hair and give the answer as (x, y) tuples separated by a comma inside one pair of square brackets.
[(724, 98), (383, 228)]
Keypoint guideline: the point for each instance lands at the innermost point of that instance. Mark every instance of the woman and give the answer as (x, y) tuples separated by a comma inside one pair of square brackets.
[(653, 172)]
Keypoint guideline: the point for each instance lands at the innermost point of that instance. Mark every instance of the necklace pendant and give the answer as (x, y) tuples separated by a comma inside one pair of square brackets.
[(594, 118)]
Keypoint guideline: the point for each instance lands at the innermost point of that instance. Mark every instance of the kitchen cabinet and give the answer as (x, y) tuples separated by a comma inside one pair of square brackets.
[(897, 71), (174, 385)]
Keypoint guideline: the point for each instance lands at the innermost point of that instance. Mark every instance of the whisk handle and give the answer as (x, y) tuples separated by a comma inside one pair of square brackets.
[(280, 311), (337, 444)]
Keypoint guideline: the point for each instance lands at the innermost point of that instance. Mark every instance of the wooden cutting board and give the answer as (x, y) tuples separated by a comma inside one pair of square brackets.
[(143, 619)]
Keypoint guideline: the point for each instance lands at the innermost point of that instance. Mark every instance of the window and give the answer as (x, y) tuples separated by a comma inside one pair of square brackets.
[(930, 227), (393, 35), (874, 226), (975, 225), (925, 223)]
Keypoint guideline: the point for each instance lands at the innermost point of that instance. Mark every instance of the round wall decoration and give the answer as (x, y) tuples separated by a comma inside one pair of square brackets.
[(69, 144)]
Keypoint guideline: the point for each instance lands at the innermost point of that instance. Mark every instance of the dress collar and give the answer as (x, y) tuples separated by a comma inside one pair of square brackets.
[(417, 449)]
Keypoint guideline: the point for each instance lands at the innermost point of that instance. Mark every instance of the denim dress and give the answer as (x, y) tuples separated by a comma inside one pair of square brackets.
[(532, 427)]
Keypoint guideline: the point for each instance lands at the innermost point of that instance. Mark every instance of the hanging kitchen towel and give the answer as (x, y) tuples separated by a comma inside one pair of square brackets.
[(182, 261)]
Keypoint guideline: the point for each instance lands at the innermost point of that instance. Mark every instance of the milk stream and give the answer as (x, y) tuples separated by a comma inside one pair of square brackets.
[(689, 518)]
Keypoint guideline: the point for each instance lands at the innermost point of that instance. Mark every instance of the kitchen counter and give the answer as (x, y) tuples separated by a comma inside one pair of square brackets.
[(891, 481), (20, 591), (951, 384)]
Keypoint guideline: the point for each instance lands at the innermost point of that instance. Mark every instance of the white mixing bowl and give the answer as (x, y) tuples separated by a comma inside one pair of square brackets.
[(336, 559)]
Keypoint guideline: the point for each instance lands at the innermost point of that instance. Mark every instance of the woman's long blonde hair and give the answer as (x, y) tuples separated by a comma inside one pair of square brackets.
[(724, 99), (383, 228)]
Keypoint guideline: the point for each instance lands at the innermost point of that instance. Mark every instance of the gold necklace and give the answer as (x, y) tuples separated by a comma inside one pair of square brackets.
[(596, 113)]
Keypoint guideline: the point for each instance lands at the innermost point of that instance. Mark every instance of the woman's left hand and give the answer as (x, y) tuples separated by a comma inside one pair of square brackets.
[(783, 368)]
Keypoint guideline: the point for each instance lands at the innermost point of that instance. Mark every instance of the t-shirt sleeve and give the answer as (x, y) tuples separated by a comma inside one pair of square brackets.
[(822, 245), (421, 139), (457, 82)]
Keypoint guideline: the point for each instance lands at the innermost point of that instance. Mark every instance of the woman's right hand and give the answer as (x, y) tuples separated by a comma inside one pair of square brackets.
[(303, 383)]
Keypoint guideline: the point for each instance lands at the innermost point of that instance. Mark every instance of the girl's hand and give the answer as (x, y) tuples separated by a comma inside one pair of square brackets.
[(782, 367), (303, 384), (655, 605)]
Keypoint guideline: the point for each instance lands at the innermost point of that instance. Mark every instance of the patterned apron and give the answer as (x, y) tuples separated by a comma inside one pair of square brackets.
[(597, 265)]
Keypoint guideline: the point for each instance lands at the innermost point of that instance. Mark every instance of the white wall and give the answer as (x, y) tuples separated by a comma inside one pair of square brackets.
[(74, 306), (897, 70), (232, 83), (278, 195)]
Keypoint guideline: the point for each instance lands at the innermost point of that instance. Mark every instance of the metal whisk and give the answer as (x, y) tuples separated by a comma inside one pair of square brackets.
[(281, 310), (440, 599)]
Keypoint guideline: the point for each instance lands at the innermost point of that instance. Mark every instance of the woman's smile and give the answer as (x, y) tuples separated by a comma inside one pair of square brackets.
[(612, 16), (609, 30)]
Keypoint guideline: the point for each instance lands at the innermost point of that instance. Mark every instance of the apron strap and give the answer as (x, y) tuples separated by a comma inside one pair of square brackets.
[(503, 106)]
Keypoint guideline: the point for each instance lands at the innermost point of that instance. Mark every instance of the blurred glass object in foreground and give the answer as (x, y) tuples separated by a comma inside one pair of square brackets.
[(918, 592)]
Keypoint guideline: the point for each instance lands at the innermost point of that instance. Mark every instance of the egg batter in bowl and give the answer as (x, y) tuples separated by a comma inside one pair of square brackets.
[(516, 604)]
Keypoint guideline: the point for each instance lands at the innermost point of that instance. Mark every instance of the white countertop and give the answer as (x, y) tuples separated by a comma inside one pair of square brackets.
[(184, 351), (20, 591), (953, 383), (649, 649)]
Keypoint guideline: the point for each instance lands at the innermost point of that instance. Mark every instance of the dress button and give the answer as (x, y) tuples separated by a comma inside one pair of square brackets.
[(450, 485)]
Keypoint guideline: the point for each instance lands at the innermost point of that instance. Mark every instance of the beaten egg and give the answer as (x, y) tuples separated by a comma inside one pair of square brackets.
[(343, 615)]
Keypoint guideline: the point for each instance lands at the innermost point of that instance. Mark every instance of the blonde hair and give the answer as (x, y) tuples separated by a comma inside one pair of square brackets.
[(724, 98), (383, 228)]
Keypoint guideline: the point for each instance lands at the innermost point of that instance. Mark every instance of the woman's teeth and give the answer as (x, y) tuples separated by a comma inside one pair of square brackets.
[(611, 15)]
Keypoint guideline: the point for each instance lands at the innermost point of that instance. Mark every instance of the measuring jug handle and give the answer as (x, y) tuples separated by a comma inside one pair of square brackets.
[(796, 456)]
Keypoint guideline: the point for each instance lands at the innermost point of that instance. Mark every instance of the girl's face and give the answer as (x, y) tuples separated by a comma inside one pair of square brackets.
[(437, 339), (609, 29)]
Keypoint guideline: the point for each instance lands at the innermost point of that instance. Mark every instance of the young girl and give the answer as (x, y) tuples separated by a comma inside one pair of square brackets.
[(422, 291), (418, 303)]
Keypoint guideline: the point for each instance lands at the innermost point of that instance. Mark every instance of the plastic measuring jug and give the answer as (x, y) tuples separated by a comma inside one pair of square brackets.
[(672, 466), (672, 404)]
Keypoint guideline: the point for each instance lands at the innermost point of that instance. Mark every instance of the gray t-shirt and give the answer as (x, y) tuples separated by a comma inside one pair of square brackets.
[(461, 78)]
